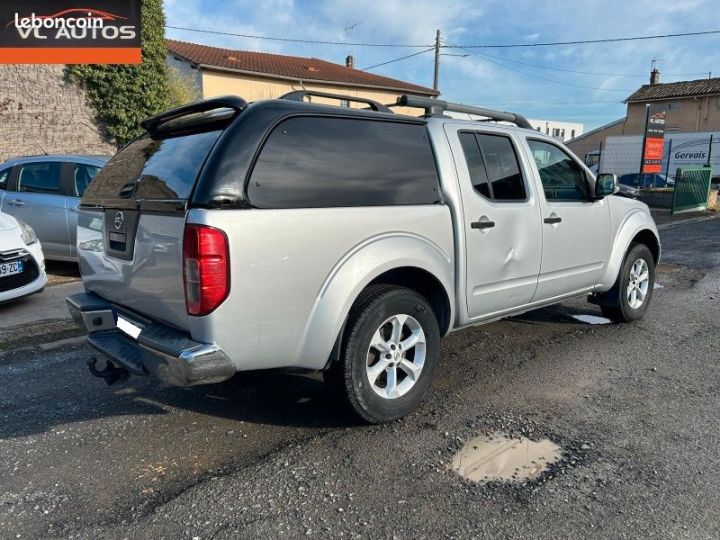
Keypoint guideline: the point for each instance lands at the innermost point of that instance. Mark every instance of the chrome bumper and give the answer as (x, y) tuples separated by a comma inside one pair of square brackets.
[(159, 350)]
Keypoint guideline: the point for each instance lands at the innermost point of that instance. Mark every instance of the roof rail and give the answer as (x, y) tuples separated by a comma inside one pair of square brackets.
[(226, 102), (300, 95), (436, 107)]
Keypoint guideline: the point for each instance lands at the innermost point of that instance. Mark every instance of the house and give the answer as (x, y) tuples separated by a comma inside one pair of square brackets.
[(256, 75), (692, 106)]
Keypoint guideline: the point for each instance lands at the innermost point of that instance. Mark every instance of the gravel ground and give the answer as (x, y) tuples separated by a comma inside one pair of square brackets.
[(634, 408)]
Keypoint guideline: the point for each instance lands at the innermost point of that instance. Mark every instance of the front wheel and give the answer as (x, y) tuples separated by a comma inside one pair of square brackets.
[(635, 283), (390, 353)]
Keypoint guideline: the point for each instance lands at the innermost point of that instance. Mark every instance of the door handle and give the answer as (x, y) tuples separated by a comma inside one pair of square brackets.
[(482, 224), (552, 220), (17, 202), (73, 209)]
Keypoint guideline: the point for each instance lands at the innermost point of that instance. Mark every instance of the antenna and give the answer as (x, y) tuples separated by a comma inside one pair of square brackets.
[(350, 29), (654, 62)]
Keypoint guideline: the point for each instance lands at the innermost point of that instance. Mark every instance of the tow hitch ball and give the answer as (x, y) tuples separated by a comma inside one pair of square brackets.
[(110, 373)]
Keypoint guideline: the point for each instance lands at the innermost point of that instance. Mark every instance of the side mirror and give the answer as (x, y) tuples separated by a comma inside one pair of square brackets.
[(606, 184)]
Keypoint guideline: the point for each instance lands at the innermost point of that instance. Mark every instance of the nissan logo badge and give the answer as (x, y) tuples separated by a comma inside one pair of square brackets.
[(119, 220)]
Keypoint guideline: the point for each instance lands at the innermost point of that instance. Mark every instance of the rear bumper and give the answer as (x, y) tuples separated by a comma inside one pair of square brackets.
[(159, 350)]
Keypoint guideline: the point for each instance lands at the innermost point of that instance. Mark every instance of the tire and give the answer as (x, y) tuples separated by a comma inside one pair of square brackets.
[(370, 349), (628, 307)]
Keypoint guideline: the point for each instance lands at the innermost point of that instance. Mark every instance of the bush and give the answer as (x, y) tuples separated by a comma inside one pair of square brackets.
[(124, 95), (182, 87)]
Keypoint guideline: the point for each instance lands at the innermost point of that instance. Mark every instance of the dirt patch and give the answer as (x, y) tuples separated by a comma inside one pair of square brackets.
[(31, 335)]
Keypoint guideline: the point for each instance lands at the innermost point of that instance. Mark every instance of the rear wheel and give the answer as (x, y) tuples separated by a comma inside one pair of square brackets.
[(390, 353), (635, 286)]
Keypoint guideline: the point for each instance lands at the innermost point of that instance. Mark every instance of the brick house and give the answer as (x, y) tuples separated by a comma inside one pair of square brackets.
[(691, 106)]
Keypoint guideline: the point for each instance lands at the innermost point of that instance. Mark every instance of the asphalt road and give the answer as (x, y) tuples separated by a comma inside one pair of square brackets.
[(634, 407)]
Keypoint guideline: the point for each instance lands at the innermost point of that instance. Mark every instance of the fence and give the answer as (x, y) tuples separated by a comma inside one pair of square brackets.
[(692, 188)]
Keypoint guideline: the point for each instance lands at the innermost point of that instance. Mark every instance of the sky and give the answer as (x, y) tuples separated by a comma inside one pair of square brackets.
[(539, 82)]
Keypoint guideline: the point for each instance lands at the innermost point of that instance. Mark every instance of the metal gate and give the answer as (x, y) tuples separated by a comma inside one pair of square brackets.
[(692, 188)]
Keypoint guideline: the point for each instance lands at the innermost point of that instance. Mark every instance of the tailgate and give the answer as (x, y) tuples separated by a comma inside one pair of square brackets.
[(132, 216)]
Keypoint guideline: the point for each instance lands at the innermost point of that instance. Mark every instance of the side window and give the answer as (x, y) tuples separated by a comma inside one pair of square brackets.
[(562, 178), (4, 177), (493, 166), (43, 177), (82, 176), (310, 162)]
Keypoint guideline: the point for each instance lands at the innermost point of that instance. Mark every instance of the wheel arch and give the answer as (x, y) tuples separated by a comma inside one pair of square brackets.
[(639, 227), (425, 268)]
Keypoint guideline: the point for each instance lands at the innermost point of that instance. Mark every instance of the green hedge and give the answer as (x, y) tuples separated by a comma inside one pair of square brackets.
[(126, 94)]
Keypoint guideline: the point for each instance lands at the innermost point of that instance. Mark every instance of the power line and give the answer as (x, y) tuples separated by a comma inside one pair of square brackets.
[(293, 40), (426, 45), (397, 59), (540, 66), (586, 41), (488, 59)]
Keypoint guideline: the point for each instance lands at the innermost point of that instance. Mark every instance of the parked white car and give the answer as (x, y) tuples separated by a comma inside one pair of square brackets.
[(22, 265)]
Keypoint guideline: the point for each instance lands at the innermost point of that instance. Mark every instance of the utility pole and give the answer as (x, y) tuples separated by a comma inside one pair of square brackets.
[(436, 77)]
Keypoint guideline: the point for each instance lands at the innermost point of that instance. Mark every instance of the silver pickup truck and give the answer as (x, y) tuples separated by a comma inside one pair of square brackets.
[(235, 236)]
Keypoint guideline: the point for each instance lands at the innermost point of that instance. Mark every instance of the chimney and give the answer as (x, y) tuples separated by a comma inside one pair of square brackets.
[(350, 61), (655, 76)]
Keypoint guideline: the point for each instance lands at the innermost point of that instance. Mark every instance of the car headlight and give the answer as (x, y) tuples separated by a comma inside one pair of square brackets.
[(27, 233)]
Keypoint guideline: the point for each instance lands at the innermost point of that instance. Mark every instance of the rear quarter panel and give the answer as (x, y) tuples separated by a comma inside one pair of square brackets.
[(295, 273)]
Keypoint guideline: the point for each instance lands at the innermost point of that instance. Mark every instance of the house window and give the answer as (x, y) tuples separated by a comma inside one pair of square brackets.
[(345, 103), (572, 134), (556, 132), (674, 106)]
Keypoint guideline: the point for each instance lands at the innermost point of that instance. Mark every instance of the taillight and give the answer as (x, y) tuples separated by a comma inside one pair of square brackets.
[(206, 268)]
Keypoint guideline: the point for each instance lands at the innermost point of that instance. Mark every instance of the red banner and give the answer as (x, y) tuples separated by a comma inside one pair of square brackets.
[(654, 139)]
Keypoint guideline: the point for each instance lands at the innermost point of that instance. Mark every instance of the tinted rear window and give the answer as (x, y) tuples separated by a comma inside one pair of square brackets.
[(325, 162), (153, 169)]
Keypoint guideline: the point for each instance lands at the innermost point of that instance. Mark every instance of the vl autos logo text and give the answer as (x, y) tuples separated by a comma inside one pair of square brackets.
[(70, 32)]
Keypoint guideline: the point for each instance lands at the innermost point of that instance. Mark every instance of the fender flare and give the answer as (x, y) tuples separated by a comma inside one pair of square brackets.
[(634, 223), (356, 270)]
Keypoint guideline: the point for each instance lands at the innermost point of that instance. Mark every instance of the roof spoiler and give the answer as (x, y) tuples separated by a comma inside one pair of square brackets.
[(436, 107), (300, 95), (226, 102)]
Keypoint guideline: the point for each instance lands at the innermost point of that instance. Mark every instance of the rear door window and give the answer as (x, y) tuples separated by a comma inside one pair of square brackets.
[(333, 162), (42, 177), (493, 166), (82, 176), (152, 168)]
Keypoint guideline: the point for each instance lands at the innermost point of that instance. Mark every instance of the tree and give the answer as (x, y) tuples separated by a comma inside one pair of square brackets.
[(126, 94)]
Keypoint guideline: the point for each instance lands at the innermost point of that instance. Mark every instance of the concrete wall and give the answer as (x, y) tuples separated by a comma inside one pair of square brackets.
[(254, 88), (686, 114), (41, 113)]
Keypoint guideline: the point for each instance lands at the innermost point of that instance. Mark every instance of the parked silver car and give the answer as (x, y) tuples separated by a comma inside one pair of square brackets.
[(44, 192)]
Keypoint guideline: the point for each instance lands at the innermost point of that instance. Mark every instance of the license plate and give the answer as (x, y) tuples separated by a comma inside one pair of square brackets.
[(127, 327), (11, 268)]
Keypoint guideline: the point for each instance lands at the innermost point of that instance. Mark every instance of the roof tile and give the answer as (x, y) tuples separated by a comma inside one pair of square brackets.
[(293, 67), (679, 89)]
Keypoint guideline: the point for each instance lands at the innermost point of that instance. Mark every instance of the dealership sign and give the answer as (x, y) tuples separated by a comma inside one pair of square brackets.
[(70, 32), (652, 154)]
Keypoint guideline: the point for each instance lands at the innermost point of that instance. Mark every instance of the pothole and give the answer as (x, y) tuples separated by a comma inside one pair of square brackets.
[(503, 458), (591, 319)]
